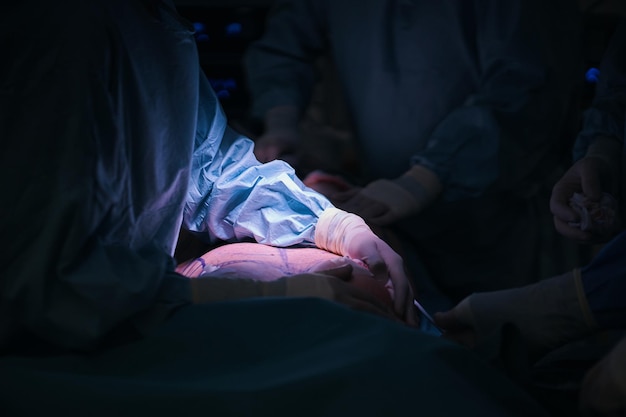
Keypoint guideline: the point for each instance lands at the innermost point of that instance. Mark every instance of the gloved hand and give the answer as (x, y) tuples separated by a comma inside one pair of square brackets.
[(548, 314), (603, 391), (362, 278), (384, 202), (281, 134), (347, 234), (330, 284), (598, 171)]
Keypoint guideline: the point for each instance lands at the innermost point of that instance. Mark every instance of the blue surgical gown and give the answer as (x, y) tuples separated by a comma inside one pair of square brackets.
[(111, 139)]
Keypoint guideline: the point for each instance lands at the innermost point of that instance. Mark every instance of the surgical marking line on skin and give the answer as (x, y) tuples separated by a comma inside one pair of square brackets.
[(285, 259), (241, 261)]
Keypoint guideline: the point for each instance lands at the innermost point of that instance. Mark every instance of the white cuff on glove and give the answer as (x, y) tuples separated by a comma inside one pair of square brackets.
[(404, 196), (335, 228)]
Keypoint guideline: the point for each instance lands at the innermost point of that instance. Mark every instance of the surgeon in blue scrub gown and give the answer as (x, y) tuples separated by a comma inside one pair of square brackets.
[(456, 106), (111, 139)]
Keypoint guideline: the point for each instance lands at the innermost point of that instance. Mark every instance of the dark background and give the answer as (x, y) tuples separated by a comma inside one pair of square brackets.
[(226, 27)]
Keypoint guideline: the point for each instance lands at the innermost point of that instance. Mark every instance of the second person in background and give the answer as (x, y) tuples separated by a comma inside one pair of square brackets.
[(458, 110)]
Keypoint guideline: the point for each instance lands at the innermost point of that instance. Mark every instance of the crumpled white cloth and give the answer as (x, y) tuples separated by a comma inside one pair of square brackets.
[(599, 217)]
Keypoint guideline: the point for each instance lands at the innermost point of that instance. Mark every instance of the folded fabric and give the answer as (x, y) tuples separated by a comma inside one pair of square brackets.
[(598, 217)]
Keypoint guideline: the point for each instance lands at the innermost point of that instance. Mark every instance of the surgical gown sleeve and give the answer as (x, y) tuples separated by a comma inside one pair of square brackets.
[(607, 115), (503, 132), (234, 197)]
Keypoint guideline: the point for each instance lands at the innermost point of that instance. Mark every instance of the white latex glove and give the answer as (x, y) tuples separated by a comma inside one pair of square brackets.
[(383, 202), (331, 284), (347, 234), (548, 314), (603, 391)]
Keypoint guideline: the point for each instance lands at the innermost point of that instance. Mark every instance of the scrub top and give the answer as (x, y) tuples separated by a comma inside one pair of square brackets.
[(477, 91)]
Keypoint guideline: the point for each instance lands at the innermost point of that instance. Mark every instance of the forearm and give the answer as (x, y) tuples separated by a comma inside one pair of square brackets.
[(232, 196), (265, 202)]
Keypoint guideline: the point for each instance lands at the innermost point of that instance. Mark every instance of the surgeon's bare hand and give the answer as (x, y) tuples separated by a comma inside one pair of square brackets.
[(587, 177), (331, 284)]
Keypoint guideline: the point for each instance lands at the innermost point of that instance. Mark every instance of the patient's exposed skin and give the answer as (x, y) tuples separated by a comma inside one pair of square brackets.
[(268, 263)]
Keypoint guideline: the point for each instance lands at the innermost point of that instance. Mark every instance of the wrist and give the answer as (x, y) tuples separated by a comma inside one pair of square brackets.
[(422, 183), (582, 300), (332, 228), (608, 150)]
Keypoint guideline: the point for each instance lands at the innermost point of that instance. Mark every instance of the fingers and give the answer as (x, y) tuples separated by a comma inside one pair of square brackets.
[(572, 232), (403, 293), (458, 324), (582, 177), (590, 180), (410, 315), (459, 318), (465, 337), (592, 187), (361, 300), (342, 272), (367, 293), (559, 201), (448, 320), (564, 215), (330, 264), (385, 264)]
